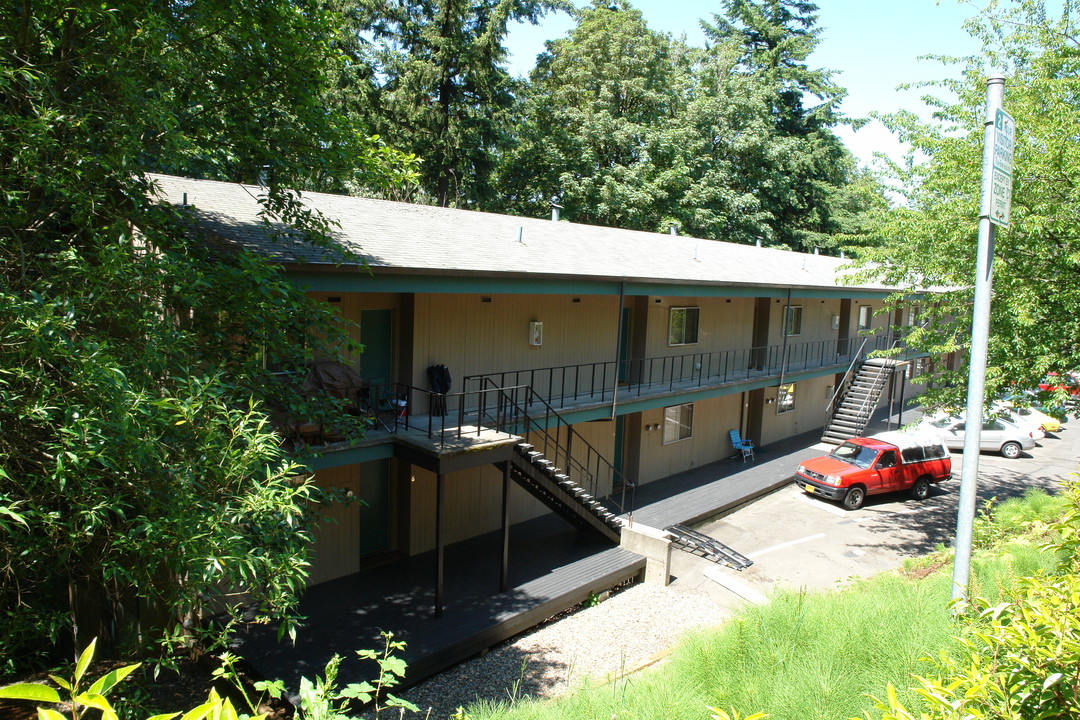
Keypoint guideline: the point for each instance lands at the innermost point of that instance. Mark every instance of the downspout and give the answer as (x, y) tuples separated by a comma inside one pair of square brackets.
[(783, 331), (618, 347), (742, 413)]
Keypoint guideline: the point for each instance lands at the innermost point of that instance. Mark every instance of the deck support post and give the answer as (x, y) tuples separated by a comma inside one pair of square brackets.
[(504, 569), (440, 544), (903, 384)]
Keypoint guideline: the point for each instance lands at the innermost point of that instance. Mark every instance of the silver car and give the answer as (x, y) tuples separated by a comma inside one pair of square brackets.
[(996, 436)]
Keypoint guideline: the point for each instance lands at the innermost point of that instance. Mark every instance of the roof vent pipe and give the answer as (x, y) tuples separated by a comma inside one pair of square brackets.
[(815, 251), (555, 212), (758, 243), (842, 255), (673, 230)]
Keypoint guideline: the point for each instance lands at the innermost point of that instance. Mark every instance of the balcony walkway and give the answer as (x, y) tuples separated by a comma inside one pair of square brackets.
[(460, 429), (552, 568)]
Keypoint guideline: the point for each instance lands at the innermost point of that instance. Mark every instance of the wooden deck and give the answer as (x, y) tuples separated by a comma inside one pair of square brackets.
[(552, 568)]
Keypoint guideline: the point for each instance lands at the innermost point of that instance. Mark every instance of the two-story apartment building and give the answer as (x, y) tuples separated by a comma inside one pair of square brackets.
[(623, 356)]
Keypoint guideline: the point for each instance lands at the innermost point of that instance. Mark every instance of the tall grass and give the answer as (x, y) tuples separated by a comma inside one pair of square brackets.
[(804, 656), (818, 656)]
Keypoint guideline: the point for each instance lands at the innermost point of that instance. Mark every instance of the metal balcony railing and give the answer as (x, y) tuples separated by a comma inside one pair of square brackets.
[(494, 414), (572, 384)]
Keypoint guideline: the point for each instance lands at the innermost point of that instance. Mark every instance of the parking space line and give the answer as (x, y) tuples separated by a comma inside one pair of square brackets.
[(839, 512), (789, 543)]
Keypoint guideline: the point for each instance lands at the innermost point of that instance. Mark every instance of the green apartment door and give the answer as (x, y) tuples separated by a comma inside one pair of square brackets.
[(375, 510), (377, 336)]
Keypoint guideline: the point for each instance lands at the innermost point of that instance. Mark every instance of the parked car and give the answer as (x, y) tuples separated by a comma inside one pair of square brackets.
[(1054, 382), (887, 462), (996, 436), (1032, 399), (1047, 422), (1026, 424)]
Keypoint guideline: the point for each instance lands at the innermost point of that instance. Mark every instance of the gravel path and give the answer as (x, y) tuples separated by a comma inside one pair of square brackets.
[(628, 630)]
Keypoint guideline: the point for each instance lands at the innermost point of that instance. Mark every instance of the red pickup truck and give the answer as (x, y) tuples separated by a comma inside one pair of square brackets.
[(887, 462)]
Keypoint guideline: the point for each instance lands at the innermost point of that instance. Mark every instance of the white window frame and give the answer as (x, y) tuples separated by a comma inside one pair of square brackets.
[(785, 398), (686, 313), (678, 423), (867, 310), (793, 316)]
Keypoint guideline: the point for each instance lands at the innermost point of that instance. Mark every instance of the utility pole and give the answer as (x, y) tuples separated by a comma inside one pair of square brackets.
[(998, 132)]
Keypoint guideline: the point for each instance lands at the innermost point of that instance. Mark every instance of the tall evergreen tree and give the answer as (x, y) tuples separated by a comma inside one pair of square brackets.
[(775, 39), (442, 90), (598, 131), (628, 127)]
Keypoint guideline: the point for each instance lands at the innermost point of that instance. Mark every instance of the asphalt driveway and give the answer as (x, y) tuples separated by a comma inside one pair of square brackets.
[(797, 540)]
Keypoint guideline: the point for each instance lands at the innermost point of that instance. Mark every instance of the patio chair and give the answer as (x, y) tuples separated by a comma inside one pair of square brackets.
[(381, 410), (746, 447)]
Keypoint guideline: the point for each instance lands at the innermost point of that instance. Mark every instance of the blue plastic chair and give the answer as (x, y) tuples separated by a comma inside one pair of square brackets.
[(746, 447)]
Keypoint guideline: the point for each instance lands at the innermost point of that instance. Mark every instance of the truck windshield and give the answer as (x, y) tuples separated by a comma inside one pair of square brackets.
[(857, 455)]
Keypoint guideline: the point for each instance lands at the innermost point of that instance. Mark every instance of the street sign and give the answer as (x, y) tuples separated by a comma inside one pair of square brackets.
[(1001, 191)]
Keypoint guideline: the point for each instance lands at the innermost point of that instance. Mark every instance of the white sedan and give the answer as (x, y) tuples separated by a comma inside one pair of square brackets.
[(997, 435), (1010, 416)]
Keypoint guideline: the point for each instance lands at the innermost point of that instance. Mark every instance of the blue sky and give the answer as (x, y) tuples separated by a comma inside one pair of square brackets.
[(873, 45)]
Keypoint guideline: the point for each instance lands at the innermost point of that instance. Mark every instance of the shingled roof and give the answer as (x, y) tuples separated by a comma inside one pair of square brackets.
[(421, 239)]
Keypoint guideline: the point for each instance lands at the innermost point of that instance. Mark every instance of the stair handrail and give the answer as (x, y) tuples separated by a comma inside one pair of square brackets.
[(830, 406), (881, 371), (867, 403), (562, 451)]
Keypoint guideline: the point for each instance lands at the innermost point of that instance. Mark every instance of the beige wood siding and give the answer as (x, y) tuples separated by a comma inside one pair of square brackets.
[(817, 317), (473, 506), (473, 337), (877, 322), (809, 413), (350, 305), (336, 550), (723, 324), (713, 418)]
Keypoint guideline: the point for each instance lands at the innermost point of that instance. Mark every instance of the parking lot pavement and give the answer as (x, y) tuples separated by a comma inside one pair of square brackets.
[(800, 541)]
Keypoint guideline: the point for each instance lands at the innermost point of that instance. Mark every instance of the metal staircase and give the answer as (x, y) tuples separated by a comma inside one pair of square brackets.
[(704, 546), (553, 487), (854, 403), (559, 466)]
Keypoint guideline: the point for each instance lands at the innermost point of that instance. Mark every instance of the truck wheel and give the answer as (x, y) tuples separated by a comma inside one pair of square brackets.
[(921, 489), (1011, 450), (854, 498)]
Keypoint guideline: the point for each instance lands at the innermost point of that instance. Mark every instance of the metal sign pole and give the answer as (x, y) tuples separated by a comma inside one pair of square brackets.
[(980, 335)]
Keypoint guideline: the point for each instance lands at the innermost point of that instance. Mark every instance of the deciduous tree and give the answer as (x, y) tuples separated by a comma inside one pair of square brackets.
[(138, 467), (931, 239)]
